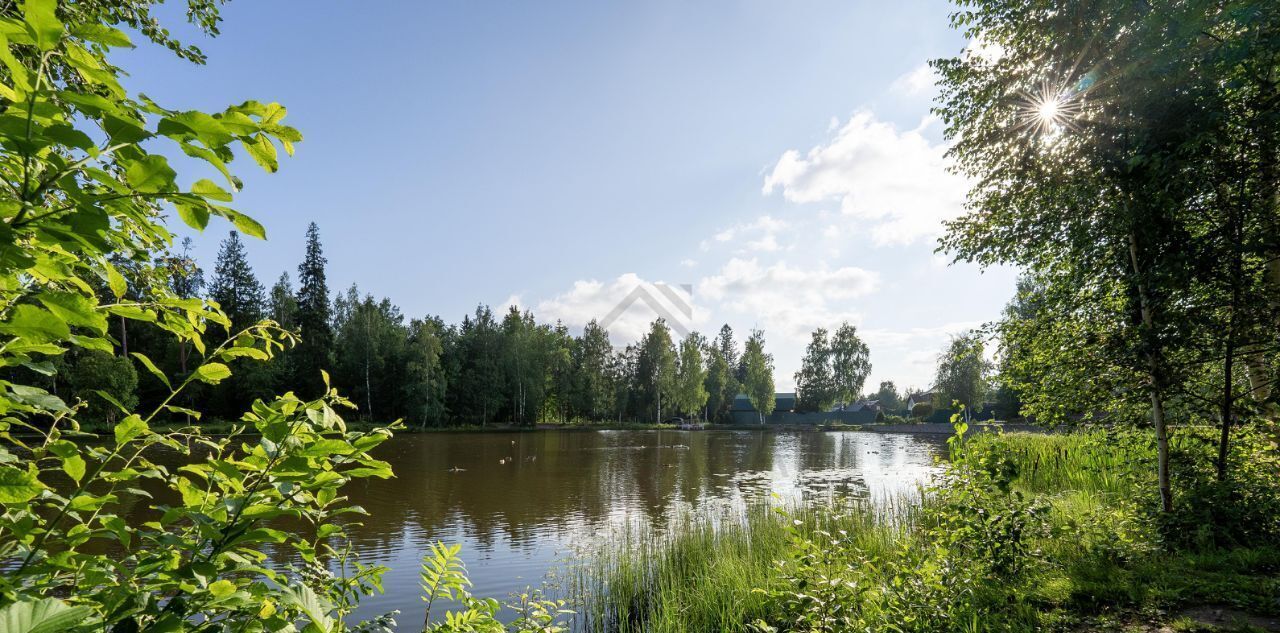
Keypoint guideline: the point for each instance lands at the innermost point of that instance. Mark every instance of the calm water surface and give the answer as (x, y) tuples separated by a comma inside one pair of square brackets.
[(559, 492)]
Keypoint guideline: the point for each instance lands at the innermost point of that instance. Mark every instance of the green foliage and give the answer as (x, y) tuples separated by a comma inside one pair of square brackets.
[(106, 383), (758, 379), (922, 410), (815, 382), (888, 396), (691, 393), (1023, 533), (850, 363), (655, 370), (83, 225), (444, 577), (314, 316), (963, 371), (722, 383)]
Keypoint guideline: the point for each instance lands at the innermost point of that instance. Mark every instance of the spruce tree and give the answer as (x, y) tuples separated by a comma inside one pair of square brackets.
[(315, 352), (282, 305), (234, 285), (242, 298)]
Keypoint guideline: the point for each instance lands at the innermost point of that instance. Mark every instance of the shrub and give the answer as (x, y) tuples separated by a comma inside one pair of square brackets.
[(106, 383)]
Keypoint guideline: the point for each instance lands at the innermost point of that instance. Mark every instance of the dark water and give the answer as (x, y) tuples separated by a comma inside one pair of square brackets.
[(559, 492)]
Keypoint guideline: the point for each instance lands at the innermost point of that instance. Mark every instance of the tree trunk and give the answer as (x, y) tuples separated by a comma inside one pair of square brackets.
[(1229, 357), (1153, 370), (1256, 362)]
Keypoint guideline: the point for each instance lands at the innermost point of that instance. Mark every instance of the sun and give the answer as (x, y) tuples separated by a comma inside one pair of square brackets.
[(1049, 111)]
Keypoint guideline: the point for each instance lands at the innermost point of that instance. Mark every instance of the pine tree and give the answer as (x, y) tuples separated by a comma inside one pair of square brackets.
[(234, 285), (315, 352)]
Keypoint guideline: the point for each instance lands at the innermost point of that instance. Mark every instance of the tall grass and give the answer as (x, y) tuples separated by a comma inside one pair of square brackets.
[(1097, 462), (1097, 548), (711, 573)]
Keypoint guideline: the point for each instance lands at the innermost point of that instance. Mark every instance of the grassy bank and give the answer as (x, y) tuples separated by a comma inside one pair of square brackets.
[(1024, 533)]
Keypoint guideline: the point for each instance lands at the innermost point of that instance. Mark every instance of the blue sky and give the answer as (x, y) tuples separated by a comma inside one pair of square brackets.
[(776, 157)]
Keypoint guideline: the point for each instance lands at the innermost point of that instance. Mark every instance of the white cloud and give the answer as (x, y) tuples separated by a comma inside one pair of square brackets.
[(911, 353), (768, 243), (689, 263), (917, 82), (592, 299), (787, 299), (760, 234), (892, 185)]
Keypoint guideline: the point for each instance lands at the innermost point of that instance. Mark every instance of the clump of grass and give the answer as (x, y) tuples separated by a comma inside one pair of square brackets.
[(711, 573)]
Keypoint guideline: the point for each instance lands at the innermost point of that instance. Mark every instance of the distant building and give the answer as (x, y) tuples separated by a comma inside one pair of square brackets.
[(917, 398), (742, 411), (861, 405)]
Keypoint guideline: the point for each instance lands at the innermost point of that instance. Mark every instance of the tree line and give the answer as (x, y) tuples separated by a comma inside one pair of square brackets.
[(489, 368)]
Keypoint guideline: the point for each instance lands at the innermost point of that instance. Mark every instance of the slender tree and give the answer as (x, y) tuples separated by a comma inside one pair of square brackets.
[(315, 320), (963, 372), (656, 369), (759, 376), (691, 375)]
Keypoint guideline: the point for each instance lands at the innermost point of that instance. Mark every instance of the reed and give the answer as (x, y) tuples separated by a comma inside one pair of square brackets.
[(710, 572)]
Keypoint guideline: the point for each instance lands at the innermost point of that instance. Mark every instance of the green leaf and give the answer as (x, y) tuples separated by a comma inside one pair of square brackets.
[(313, 606), (130, 428), (195, 216), (211, 190), (244, 223), (326, 447), (102, 34), (17, 485), (151, 367), (75, 309), (111, 399), (34, 324), (222, 589), (115, 280), (37, 397), (150, 174), (74, 467), (48, 615), (42, 23), (88, 502), (212, 373), (262, 151)]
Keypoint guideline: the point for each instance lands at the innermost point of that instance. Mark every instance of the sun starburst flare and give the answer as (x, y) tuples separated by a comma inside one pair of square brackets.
[(1049, 110)]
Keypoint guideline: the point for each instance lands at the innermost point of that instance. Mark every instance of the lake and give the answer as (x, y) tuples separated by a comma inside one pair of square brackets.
[(519, 503)]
